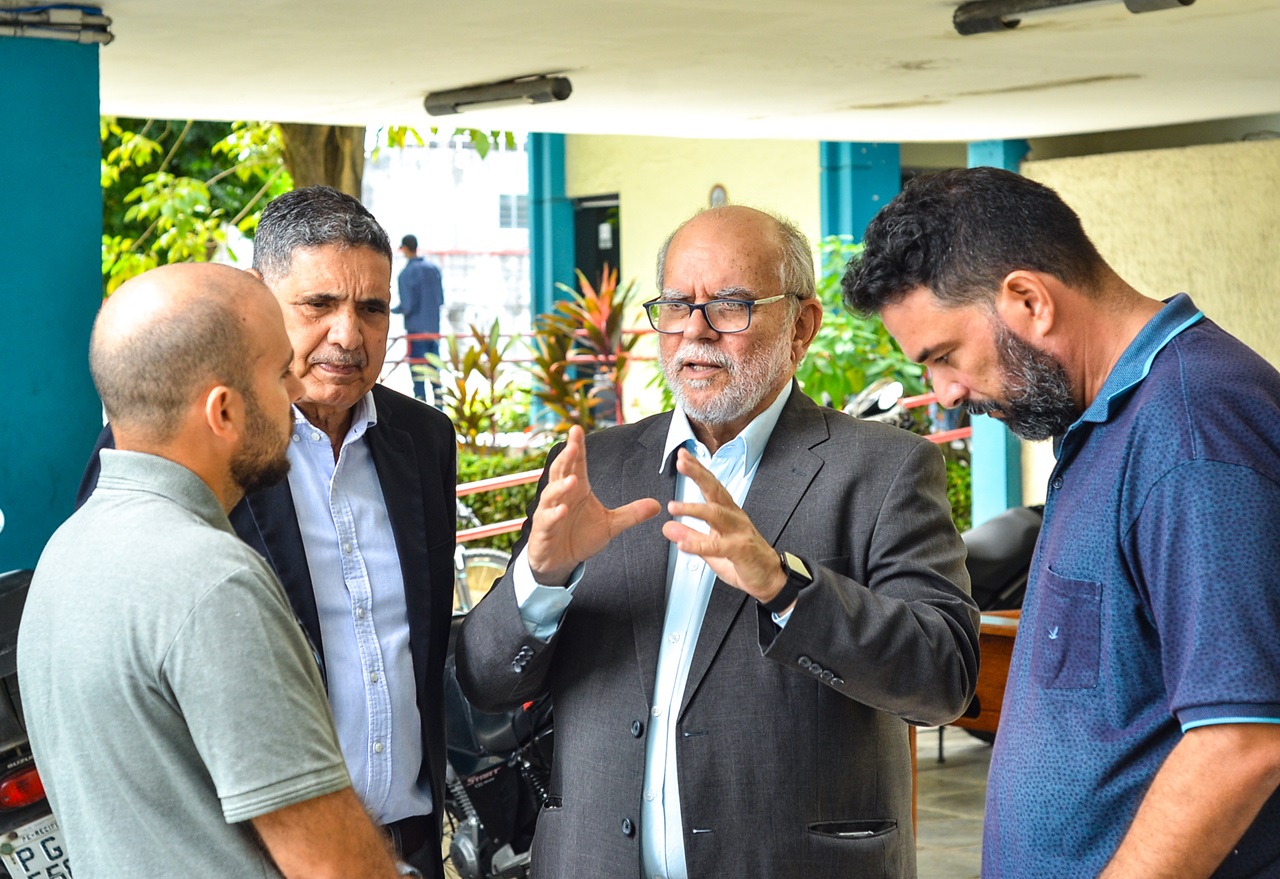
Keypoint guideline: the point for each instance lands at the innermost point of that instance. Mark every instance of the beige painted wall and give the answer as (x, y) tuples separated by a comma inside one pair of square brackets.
[(1203, 220), (662, 181)]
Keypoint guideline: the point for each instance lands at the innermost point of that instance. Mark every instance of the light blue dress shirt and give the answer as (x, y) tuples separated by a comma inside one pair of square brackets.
[(364, 621), (689, 582)]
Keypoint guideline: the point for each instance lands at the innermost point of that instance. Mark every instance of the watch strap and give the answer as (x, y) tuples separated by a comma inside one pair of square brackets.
[(790, 589)]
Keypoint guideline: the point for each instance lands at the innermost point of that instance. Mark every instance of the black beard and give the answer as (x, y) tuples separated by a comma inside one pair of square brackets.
[(253, 475), (257, 465), (1038, 403)]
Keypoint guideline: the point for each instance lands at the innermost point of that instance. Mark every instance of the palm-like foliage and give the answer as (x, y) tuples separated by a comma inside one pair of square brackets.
[(581, 353)]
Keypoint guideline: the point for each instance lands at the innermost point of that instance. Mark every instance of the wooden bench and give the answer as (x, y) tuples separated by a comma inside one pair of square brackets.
[(995, 639)]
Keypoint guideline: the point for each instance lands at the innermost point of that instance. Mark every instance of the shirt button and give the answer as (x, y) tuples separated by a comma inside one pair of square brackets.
[(674, 638), (693, 566), (377, 747), (296, 438), (315, 436), (656, 712), (649, 795), (346, 547), (360, 612), (1057, 483), (374, 677)]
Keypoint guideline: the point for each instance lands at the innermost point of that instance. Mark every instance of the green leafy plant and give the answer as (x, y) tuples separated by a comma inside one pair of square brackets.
[(170, 189), (478, 391), (581, 353), (850, 351), (503, 504), (960, 491)]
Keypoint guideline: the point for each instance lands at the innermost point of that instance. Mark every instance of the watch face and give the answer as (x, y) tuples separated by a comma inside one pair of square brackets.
[(796, 566)]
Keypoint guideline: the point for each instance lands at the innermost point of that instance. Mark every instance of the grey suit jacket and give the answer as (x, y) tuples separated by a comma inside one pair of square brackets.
[(793, 753)]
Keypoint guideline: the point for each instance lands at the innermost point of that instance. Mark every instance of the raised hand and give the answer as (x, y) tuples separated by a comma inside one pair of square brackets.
[(570, 524), (733, 548)]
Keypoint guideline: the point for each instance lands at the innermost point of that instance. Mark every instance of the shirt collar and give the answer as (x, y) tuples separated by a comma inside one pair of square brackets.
[(755, 436), (139, 471), (364, 415), (1178, 314)]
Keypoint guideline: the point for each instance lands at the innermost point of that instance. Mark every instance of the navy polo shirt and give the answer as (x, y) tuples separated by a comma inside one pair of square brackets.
[(1153, 604)]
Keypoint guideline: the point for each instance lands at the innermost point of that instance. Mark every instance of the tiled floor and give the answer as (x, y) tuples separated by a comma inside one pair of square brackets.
[(949, 804)]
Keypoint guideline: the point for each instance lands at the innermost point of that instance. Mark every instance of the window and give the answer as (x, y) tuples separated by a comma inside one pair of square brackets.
[(513, 211)]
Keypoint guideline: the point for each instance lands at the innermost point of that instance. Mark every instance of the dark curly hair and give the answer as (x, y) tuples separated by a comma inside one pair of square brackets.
[(960, 233)]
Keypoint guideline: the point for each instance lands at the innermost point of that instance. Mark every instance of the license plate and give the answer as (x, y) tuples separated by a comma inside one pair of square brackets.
[(35, 851)]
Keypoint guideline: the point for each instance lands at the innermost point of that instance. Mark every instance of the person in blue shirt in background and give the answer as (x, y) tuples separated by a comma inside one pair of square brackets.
[(421, 296), (1140, 732)]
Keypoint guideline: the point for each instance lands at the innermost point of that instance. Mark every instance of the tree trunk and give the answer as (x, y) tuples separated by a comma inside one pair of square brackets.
[(328, 154)]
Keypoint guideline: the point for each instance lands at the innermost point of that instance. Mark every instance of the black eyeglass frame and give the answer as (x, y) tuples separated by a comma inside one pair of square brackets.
[(695, 306)]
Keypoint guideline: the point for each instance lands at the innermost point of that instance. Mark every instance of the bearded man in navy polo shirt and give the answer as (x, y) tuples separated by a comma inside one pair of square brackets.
[(1140, 732)]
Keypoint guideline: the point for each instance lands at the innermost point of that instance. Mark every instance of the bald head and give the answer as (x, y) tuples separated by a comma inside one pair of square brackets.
[(169, 334), (733, 224)]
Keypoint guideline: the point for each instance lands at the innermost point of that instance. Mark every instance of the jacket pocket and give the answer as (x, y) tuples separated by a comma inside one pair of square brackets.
[(864, 829), (1067, 641)]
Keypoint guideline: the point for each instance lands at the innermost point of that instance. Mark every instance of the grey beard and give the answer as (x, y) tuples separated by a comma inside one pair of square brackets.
[(1038, 403), (749, 380)]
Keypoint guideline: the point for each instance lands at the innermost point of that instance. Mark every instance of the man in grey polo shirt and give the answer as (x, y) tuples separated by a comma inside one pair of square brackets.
[(176, 711)]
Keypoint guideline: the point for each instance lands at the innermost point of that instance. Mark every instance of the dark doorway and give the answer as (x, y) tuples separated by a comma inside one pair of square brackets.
[(596, 236)]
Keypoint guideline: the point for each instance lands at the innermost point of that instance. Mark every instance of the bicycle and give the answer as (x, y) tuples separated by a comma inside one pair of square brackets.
[(475, 569)]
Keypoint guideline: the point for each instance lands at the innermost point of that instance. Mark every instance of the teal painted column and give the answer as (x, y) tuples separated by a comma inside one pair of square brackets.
[(995, 453), (51, 227), (551, 254), (857, 179)]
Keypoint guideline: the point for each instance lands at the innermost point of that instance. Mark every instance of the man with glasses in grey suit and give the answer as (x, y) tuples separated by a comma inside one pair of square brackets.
[(732, 681)]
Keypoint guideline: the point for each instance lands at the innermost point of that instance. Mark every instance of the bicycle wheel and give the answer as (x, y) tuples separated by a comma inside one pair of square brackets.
[(480, 569)]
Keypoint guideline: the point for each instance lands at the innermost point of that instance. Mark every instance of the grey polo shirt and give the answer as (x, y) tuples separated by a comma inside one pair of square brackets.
[(170, 693)]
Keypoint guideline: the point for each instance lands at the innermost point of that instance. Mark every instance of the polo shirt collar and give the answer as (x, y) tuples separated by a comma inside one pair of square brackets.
[(144, 472), (1178, 314)]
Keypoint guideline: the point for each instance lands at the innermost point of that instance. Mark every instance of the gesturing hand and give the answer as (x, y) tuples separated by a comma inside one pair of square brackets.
[(733, 548), (570, 524)]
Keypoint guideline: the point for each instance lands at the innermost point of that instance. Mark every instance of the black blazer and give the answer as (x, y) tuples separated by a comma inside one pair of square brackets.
[(415, 454)]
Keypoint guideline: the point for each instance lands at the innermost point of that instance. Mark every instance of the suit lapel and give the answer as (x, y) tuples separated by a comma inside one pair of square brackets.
[(786, 470), (272, 514), (400, 480), (645, 550)]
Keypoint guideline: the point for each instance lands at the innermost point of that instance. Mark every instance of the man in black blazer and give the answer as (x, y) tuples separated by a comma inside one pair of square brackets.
[(733, 684), (362, 533)]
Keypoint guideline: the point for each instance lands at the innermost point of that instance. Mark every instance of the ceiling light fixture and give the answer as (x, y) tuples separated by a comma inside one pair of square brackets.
[(986, 16), (525, 90)]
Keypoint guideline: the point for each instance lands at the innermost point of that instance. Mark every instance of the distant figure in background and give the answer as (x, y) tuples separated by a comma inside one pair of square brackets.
[(421, 295)]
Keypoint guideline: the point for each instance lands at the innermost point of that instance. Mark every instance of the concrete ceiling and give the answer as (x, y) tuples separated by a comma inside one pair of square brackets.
[(863, 70)]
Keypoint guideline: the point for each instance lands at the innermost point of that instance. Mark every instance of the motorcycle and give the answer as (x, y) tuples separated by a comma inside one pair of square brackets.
[(999, 559), (881, 401), (499, 768), (31, 844)]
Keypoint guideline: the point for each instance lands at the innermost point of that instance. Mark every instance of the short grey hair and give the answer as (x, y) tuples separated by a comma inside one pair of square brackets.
[(796, 268), (314, 216)]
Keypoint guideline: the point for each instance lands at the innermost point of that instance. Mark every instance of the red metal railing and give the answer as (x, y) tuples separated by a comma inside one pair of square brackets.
[(942, 436), (493, 484), (512, 479)]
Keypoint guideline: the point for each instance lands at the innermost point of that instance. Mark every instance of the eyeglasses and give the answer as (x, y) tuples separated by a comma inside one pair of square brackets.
[(722, 315)]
